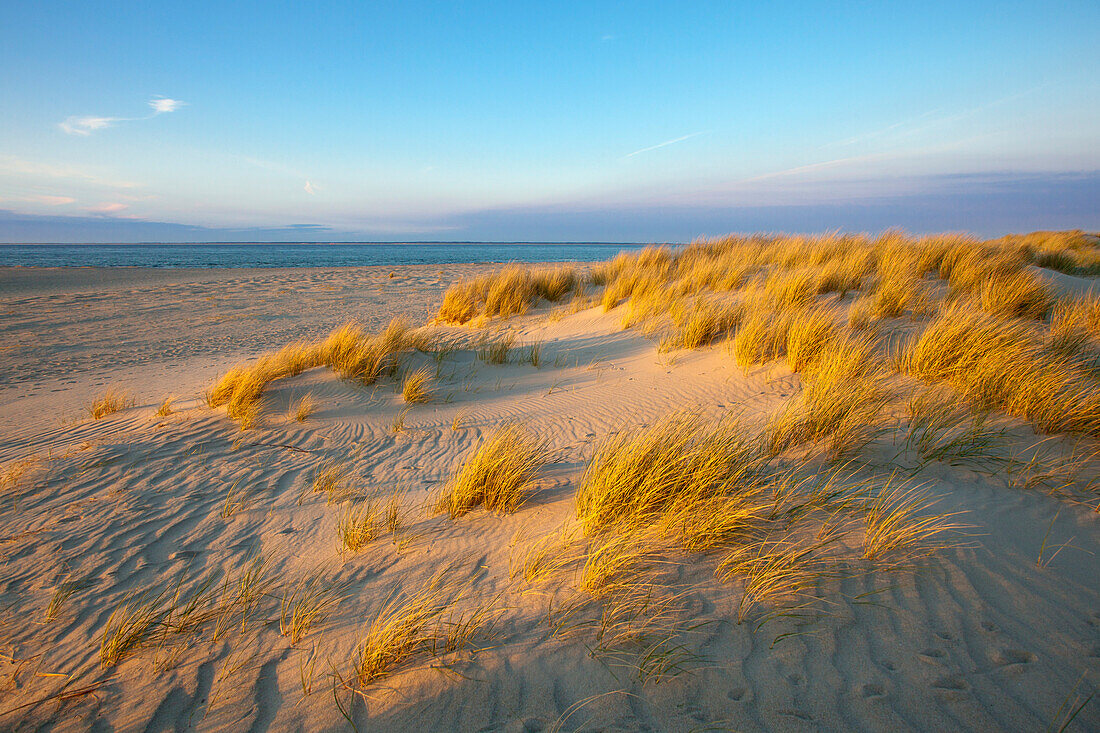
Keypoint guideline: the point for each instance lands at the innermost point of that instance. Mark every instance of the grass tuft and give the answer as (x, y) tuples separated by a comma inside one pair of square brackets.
[(417, 387), (108, 403), (498, 474)]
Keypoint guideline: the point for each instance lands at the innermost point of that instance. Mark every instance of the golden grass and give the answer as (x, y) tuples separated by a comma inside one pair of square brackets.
[(61, 595), (417, 387), (1019, 294), (773, 572), (108, 403), (498, 474), (301, 410), (762, 336), (307, 605), (1005, 364), (900, 525), (348, 351), (705, 322), (424, 622), (357, 526), (508, 292), (842, 398), (165, 408), (128, 626), (495, 349), (639, 477), (334, 479)]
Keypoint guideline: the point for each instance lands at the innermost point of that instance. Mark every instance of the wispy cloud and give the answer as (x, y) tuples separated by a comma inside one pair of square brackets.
[(51, 200), (308, 188), (84, 125), (161, 105), (664, 144), (107, 207)]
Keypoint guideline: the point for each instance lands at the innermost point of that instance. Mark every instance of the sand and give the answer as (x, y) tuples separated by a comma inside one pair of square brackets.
[(977, 637)]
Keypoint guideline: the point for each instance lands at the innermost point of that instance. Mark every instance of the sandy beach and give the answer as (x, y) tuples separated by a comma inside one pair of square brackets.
[(258, 606)]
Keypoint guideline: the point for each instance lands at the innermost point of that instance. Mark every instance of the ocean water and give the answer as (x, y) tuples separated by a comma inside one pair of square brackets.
[(297, 255)]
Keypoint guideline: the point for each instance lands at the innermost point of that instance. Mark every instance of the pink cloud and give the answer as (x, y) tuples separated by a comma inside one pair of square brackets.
[(107, 207)]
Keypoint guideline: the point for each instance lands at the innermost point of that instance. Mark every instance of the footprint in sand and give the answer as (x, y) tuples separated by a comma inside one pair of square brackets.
[(736, 694), (990, 627), (1009, 657), (872, 691), (933, 654), (951, 687)]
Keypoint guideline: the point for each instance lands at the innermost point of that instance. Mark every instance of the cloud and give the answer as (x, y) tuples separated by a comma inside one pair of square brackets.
[(661, 145), (164, 104), (107, 207), (51, 200), (308, 188), (86, 125)]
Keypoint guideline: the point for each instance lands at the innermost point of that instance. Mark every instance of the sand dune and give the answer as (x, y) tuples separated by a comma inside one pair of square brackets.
[(979, 636)]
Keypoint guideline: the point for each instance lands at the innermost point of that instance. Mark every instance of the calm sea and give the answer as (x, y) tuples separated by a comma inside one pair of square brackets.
[(297, 255)]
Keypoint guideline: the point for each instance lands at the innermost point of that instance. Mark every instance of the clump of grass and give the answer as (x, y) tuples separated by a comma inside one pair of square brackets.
[(417, 386), (425, 622), (165, 408), (899, 525), (108, 403), (1004, 364), (347, 350), (940, 429), (495, 350), (510, 291), (398, 425), (392, 512), (301, 410), (705, 322), (128, 626), (498, 474), (775, 572), (357, 526), (762, 336), (308, 604), (843, 396), (534, 355), (61, 595), (334, 479), (642, 476), (1017, 294)]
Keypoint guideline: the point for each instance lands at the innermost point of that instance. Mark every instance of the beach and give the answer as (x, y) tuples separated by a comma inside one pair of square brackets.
[(234, 536)]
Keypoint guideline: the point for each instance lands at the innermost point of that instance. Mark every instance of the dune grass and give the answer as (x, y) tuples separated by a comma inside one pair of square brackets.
[(417, 386), (303, 408), (900, 525), (348, 350), (305, 606), (511, 291), (640, 477), (429, 621), (358, 525), (111, 401), (842, 398), (165, 408), (1006, 364), (498, 474)]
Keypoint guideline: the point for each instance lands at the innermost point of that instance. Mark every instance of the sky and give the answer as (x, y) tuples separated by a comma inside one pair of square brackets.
[(565, 121)]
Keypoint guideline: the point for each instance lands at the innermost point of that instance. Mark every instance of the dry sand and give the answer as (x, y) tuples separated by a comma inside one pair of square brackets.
[(976, 638)]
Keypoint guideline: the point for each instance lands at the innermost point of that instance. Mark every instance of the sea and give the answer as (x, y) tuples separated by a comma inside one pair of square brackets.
[(263, 254)]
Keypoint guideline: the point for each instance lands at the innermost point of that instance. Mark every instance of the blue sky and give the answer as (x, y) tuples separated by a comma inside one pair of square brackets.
[(514, 121)]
